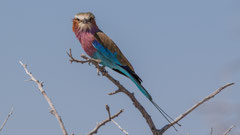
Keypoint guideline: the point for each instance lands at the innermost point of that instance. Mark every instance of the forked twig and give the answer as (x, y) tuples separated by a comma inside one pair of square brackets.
[(109, 116), (95, 130)]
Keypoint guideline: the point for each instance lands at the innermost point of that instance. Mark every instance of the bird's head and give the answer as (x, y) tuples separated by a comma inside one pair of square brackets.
[(84, 22)]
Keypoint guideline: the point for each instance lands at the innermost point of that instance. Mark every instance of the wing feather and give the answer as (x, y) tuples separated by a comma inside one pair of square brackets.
[(107, 43)]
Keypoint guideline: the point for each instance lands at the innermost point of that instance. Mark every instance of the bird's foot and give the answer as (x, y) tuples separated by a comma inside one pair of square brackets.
[(104, 71), (98, 72)]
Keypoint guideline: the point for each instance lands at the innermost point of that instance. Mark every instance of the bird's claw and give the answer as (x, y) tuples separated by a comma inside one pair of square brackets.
[(98, 72)]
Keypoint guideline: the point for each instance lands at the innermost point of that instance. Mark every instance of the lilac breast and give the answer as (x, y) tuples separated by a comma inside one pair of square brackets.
[(86, 40)]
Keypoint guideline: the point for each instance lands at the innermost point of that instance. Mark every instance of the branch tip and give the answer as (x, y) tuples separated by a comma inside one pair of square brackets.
[(99, 125), (40, 88), (229, 130), (5, 121)]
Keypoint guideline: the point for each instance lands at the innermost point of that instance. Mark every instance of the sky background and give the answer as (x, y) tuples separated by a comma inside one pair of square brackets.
[(183, 51)]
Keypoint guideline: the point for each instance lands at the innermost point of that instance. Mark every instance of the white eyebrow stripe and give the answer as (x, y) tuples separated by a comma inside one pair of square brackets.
[(80, 17)]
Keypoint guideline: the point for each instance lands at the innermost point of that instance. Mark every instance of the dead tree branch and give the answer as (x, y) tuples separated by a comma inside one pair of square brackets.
[(4, 123), (121, 88), (40, 87), (136, 103), (95, 130), (229, 130), (195, 106)]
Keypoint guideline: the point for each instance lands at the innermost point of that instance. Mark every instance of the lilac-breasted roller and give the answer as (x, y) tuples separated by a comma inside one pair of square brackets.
[(99, 46)]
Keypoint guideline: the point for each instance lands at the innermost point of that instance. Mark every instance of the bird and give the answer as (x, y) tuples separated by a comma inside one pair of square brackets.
[(99, 46)]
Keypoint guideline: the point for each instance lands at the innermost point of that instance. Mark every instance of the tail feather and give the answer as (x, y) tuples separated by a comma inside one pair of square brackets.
[(162, 111), (136, 81), (164, 114), (135, 78)]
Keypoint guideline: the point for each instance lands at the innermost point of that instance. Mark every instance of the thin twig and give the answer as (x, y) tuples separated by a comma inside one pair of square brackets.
[(95, 130), (124, 131), (195, 106), (108, 110), (211, 133), (229, 130), (72, 59), (4, 123), (40, 87)]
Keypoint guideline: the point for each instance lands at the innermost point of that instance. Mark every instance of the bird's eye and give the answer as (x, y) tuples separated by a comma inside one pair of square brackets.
[(90, 19), (77, 19)]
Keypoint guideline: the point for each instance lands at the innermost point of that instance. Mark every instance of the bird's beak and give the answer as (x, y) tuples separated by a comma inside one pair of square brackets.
[(85, 21)]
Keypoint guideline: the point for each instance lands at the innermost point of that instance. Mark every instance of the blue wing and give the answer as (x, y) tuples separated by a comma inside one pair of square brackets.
[(106, 55), (109, 59)]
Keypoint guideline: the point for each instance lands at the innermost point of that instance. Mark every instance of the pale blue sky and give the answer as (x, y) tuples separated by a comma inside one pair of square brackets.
[(182, 50)]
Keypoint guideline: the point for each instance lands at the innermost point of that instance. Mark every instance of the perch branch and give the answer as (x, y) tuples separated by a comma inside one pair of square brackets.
[(95, 130), (121, 88), (40, 87), (229, 130), (195, 106), (4, 123), (136, 103)]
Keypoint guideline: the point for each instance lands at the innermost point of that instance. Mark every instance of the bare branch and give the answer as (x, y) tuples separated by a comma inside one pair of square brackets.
[(95, 130), (195, 106), (136, 103), (229, 130), (4, 123), (122, 89), (109, 116), (40, 87)]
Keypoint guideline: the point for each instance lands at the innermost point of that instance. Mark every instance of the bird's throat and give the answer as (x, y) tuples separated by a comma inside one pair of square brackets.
[(86, 39)]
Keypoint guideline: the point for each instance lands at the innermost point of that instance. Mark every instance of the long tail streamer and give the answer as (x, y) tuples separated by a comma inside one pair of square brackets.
[(164, 114)]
